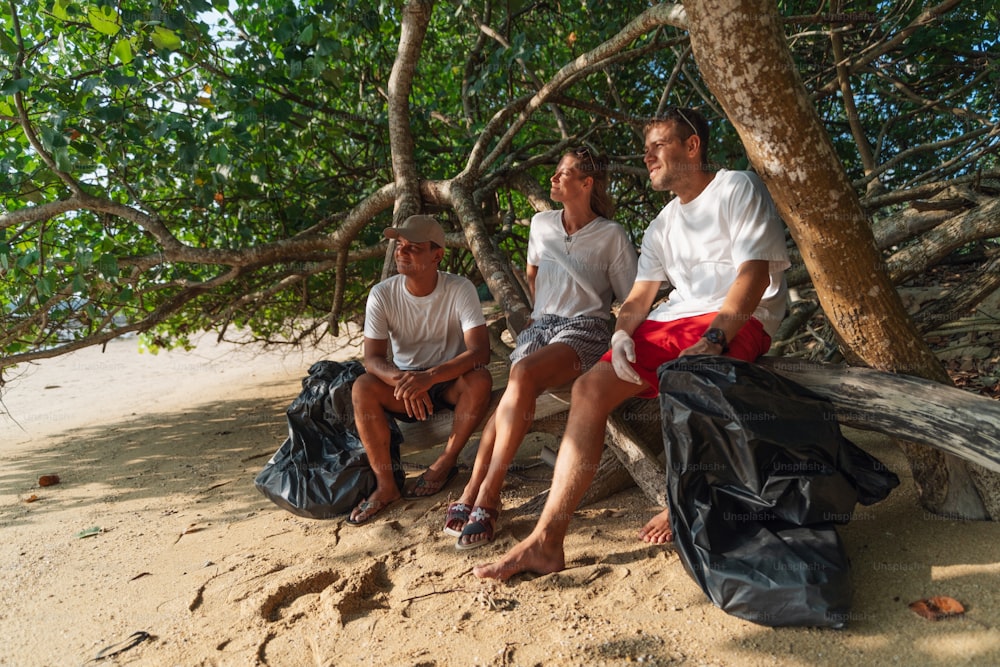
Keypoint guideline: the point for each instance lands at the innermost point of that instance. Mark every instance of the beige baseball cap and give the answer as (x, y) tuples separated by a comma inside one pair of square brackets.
[(417, 229)]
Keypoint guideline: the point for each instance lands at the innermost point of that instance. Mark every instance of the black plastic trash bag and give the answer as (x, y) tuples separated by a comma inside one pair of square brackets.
[(758, 474), (322, 470)]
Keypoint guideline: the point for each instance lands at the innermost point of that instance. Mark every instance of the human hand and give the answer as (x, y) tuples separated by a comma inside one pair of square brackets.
[(419, 407), (703, 346), (623, 356), (411, 388)]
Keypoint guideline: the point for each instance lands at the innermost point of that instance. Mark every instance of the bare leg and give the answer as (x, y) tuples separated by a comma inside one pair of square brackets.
[(595, 394), (550, 366), (371, 397), (482, 464), (470, 394), (657, 530)]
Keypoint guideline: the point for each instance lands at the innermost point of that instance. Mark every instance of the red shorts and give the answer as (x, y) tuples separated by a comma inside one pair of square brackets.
[(659, 342)]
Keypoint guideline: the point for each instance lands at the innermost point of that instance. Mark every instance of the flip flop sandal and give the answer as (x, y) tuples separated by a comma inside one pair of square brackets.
[(366, 510), (482, 521), (424, 487), (456, 512)]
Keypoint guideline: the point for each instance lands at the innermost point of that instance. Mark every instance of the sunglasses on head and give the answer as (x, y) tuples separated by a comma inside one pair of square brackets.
[(680, 112), (582, 152)]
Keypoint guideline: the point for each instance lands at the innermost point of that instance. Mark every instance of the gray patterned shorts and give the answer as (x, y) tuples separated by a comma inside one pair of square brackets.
[(589, 337)]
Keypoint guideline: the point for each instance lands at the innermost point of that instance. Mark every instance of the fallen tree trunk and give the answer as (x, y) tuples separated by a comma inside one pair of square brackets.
[(982, 222), (960, 300), (900, 406), (942, 232), (904, 407), (611, 478), (635, 435)]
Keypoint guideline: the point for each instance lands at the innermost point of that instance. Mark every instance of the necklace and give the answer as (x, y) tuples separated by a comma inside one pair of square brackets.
[(568, 240), (567, 236)]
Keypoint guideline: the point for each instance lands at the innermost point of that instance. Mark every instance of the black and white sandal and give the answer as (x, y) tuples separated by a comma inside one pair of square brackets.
[(482, 521), (457, 512)]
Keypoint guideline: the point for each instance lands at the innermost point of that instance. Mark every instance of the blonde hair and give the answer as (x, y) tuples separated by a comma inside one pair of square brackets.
[(596, 167)]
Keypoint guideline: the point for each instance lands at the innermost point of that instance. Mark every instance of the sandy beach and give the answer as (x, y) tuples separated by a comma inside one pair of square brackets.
[(155, 527)]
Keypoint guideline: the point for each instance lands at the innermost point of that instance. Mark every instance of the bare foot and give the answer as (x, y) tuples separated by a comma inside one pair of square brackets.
[(530, 555), (657, 530)]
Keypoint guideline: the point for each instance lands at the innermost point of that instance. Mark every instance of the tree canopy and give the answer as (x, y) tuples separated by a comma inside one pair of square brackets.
[(169, 168)]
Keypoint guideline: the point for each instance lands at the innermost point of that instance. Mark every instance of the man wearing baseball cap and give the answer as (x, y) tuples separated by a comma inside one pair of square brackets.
[(425, 349)]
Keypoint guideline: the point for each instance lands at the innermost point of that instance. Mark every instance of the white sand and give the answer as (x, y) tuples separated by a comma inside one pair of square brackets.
[(160, 452)]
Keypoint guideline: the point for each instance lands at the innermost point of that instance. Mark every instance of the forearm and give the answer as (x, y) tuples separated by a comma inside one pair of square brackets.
[(743, 297), (629, 318), (383, 369), (635, 310), (458, 366)]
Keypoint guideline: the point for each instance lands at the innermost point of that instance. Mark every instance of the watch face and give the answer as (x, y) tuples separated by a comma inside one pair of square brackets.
[(715, 336)]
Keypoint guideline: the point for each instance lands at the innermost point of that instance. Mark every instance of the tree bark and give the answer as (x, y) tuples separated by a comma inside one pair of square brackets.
[(494, 267), (758, 85), (900, 406), (981, 222), (635, 435), (905, 407), (611, 477), (960, 300), (416, 18)]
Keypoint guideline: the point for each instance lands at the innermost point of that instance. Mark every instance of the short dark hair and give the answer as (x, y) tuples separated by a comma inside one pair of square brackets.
[(688, 122)]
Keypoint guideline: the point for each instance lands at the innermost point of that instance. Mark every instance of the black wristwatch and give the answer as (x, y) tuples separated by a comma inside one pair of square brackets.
[(716, 337)]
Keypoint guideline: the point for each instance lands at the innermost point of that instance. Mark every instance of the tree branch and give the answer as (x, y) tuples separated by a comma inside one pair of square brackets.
[(926, 18), (665, 14)]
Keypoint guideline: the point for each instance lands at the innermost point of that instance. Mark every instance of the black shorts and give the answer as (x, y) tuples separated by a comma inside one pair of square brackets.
[(438, 402)]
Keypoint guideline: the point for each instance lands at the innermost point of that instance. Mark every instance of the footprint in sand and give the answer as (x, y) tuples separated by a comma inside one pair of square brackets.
[(344, 596)]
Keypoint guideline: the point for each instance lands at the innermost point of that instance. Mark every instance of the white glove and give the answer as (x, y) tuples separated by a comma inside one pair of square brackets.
[(622, 357)]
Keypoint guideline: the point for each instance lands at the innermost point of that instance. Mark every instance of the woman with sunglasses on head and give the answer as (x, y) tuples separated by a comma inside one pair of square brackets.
[(578, 261)]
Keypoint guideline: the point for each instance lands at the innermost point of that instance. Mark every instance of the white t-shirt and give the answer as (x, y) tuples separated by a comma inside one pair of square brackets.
[(578, 275), (423, 331), (698, 247)]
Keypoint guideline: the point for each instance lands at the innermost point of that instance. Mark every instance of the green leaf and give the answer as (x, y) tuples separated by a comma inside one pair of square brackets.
[(59, 9), (160, 130), (52, 138), (123, 51), (84, 258), (27, 259), (104, 20), (107, 265), (15, 86), (307, 36), (165, 39), (88, 532), (14, 348), (7, 45), (44, 286), (219, 154), (62, 159)]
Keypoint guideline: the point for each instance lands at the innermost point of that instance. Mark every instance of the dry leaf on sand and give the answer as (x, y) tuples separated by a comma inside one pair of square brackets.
[(938, 607)]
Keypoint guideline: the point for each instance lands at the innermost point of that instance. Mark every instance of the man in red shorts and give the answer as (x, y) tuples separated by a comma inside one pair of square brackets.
[(719, 243)]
